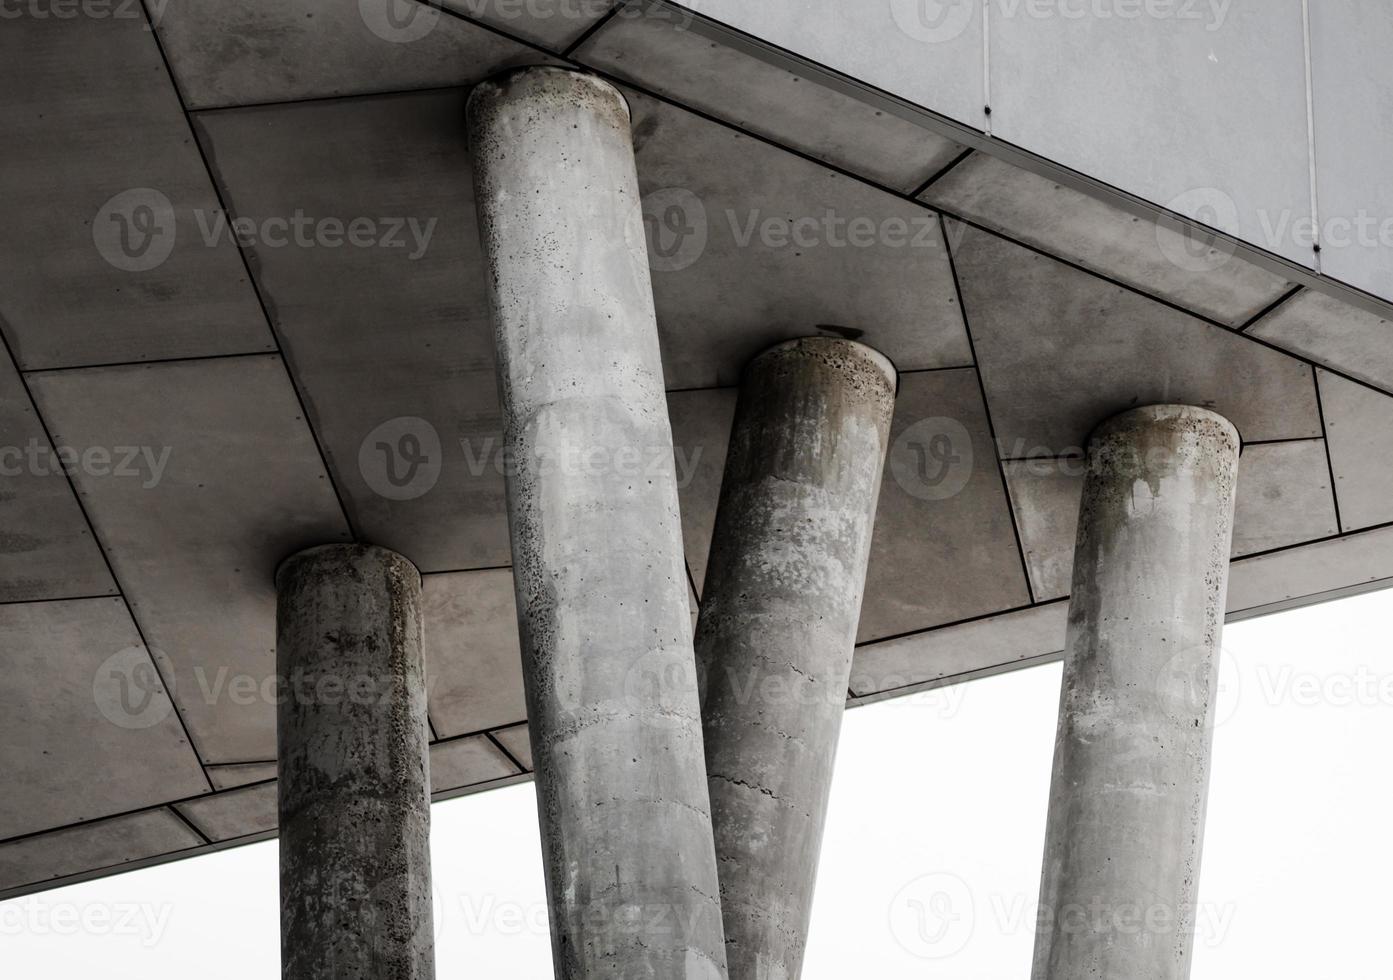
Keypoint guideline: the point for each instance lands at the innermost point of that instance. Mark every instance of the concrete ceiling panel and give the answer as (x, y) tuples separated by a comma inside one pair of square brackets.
[(701, 422), (391, 341), (1343, 337), (232, 484), (105, 200), (956, 653), (1359, 428), (1227, 145), (46, 548), (1045, 496), (104, 844), (1284, 499), (1062, 350), (473, 662), (86, 725), (257, 51), (1312, 573), (788, 246), (943, 549), (1105, 239), (658, 50), (235, 775), (238, 813), (467, 762), (253, 810)]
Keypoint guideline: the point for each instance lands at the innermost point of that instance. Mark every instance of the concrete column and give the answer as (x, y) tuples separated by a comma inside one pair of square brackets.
[(778, 625), (354, 772), (597, 547), (1131, 767)]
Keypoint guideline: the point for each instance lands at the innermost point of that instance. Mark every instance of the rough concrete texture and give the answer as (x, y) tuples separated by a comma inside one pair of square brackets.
[(1131, 769), (601, 588), (778, 626), (354, 771)]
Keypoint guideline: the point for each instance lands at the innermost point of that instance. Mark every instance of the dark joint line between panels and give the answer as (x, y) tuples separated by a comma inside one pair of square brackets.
[(151, 361), (184, 819), (255, 285), (451, 739), (1272, 307), (600, 24), (110, 568), (113, 596), (1329, 458), (506, 754), (943, 172), (987, 411), (1281, 442), (215, 792)]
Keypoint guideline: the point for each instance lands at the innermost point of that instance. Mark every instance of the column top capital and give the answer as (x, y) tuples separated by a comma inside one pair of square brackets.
[(346, 554), (1168, 417), (833, 349), (543, 83)]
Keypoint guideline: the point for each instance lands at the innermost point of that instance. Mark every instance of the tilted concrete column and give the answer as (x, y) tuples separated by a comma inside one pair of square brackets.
[(597, 547), (1131, 768), (354, 772), (778, 624)]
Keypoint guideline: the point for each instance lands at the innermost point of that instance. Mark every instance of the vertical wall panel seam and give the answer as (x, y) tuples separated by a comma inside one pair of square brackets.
[(1311, 130)]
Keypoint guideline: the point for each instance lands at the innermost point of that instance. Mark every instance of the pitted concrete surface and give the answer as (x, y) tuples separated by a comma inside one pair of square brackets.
[(1131, 770), (601, 588), (354, 772), (778, 625)]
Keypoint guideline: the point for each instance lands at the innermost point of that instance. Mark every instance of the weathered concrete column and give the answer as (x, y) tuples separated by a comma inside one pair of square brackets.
[(778, 624), (1131, 767), (597, 546), (354, 772)]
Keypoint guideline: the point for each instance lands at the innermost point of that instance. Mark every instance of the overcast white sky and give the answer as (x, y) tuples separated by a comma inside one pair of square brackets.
[(939, 804)]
